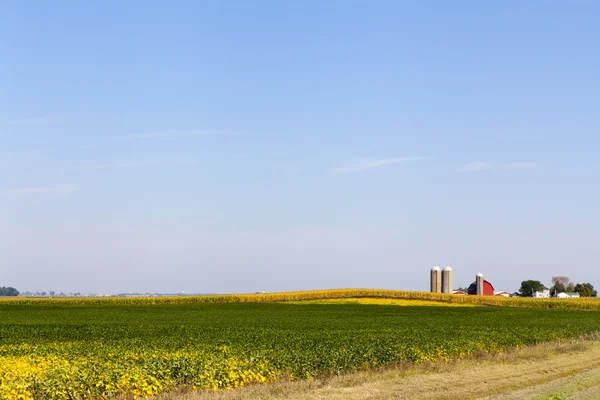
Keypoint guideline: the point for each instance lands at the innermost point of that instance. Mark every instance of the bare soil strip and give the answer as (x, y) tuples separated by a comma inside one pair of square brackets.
[(551, 371)]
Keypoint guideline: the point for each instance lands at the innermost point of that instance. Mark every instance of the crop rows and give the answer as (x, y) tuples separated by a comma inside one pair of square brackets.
[(589, 303), (98, 349)]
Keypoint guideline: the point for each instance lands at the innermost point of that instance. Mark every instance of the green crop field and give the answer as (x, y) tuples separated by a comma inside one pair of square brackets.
[(99, 349)]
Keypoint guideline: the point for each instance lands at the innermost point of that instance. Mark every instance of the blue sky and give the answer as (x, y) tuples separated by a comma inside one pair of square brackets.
[(240, 146)]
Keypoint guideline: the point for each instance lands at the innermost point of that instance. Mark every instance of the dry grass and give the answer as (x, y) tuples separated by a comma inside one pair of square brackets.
[(581, 386), (483, 376)]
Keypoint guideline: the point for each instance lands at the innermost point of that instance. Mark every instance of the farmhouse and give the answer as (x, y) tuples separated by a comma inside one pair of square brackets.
[(502, 293), (567, 295), (543, 294)]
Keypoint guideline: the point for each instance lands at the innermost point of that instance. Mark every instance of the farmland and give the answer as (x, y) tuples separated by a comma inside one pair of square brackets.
[(98, 348)]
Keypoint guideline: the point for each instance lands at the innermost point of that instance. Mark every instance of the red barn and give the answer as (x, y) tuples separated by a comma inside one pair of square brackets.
[(488, 288)]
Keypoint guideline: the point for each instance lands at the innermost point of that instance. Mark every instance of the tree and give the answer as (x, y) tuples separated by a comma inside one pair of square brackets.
[(52, 293), (8, 291), (560, 284), (530, 286), (585, 290), (561, 279)]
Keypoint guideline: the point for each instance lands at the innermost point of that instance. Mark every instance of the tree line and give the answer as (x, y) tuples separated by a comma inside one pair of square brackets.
[(8, 291), (559, 284)]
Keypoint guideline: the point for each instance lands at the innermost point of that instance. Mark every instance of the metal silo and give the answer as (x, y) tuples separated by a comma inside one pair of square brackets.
[(447, 280), (479, 284), (436, 280)]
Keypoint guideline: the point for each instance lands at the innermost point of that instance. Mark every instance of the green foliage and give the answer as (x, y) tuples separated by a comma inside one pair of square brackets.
[(529, 287), (585, 290), (8, 291), (61, 350), (560, 284)]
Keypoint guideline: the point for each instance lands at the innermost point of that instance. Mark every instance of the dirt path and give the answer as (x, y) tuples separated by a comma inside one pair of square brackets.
[(548, 371)]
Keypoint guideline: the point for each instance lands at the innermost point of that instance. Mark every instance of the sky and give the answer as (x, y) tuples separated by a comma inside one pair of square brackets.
[(237, 146)]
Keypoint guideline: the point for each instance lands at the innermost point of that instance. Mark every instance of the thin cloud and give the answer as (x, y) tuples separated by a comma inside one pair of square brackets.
[(181, 133), (29, 121), (366, 164), (476, 166), (59, 189), (138, 164)]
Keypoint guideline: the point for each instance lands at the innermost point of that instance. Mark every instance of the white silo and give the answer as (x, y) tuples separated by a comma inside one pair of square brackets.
[(436, 280), (479, 284), (447, 280)]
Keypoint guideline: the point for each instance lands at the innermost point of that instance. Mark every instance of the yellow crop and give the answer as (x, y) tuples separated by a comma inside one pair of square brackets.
[(589, 303), (384, 301), (32, 376)]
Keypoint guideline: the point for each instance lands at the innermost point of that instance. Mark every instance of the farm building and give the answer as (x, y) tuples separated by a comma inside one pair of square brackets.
[(488, 288), (544, 294), (441, 280), (503, 293), (459, 292), (567, 295)]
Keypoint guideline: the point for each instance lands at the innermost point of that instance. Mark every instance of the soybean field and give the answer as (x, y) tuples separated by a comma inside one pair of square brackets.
[(100, 349)]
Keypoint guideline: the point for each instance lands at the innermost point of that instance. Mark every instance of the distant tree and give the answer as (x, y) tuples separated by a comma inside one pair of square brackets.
[(561, 279), (558, 287), (463, 289), (8, 291), (52, 293), (529, 287), (559, 284), (571, 287), (585, 290)]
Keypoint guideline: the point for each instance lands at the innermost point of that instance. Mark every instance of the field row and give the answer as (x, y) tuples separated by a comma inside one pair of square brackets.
[(590, 303), (58, 349)]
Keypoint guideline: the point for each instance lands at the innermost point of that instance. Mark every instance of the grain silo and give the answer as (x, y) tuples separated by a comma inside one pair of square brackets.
[(447, 280), (479, 284), (436, 280)]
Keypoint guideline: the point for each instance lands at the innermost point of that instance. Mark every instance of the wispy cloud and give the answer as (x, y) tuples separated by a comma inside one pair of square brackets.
[(476, 166), (60, 189), (180, 133), (483, 165), (139, 164), (370, 163), (29, 121)]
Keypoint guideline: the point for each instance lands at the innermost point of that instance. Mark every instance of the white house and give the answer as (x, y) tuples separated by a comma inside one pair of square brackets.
[(544, 294), (567, 295), (503, 293)]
